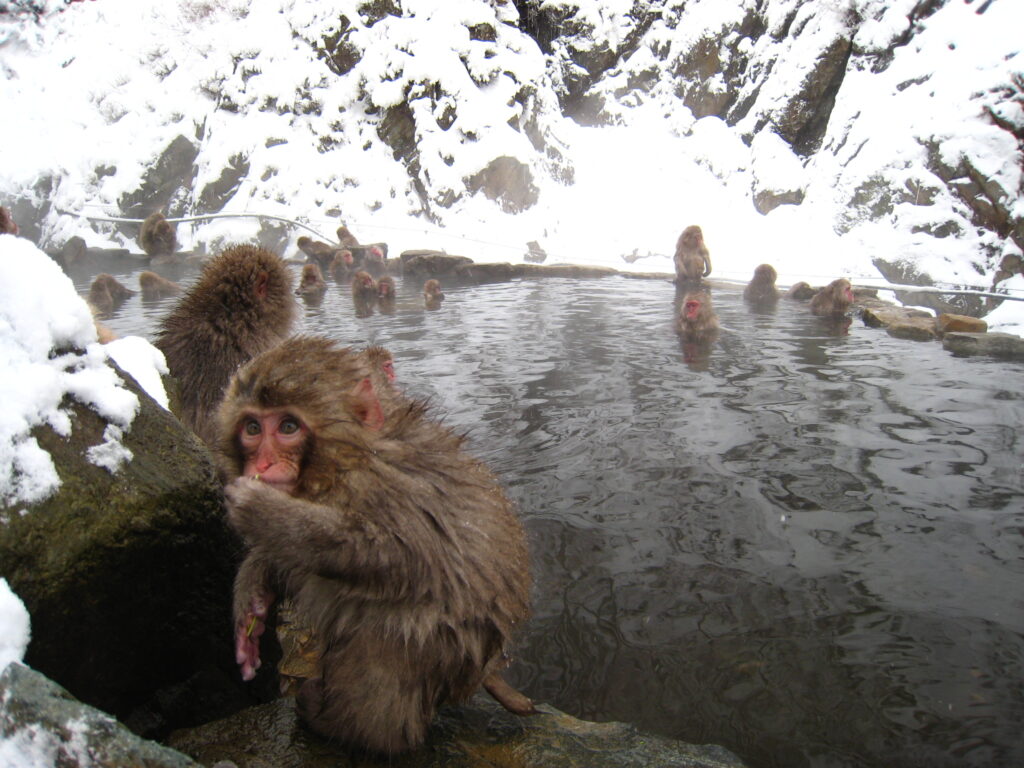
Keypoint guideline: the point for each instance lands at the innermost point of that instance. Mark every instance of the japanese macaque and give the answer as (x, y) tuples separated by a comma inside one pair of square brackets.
[(363, 286), (154, 286), (73, 252), (7, 224), (381, 361), (692, 259), (697, 319), (317, 252), (834, 299), (106, 294), (400, 552), (343, 267), (241, 305), (346, 238), (374, 261), (761, 290), (386, 287), (800, 291), (432, 294), (311, 284), (157, 237)]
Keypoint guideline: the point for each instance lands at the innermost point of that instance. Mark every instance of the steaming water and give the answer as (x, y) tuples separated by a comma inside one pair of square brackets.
[(809, 548)]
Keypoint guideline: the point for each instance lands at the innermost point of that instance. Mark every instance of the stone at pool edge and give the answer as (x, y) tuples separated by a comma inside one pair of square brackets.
[(479, 734), (1001, 345)]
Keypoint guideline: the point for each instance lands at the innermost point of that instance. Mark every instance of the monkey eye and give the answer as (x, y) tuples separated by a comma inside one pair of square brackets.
[(289, 425), (251, 427), (692, 304)]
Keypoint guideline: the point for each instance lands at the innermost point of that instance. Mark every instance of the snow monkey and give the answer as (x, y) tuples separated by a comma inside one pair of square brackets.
[(400, 552)]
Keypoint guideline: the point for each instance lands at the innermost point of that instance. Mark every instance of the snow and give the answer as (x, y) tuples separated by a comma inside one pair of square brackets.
[(49, 351), (14, 626), (109, 84)]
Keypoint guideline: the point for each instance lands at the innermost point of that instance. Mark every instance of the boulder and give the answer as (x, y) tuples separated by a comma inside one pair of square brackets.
[(1002, 345), (913, 328), (948, 323), (48, 726), (128, 576), (478, 735)]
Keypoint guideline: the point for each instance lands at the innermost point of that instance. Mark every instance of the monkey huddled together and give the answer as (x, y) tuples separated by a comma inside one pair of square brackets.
[(398, 551)]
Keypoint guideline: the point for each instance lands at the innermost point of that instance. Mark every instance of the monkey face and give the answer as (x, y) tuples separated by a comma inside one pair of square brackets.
[(272, 443)]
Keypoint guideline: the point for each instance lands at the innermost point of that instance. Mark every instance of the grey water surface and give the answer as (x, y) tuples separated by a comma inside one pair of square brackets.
[(807, 547)]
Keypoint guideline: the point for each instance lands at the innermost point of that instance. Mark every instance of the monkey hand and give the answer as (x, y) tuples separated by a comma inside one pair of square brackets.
[(248, 501), (248, 630)]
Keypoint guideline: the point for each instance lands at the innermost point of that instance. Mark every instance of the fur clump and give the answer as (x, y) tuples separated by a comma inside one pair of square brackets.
[(241, 305)]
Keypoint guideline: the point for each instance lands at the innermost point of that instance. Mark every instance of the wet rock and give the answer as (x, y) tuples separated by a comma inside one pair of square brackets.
[(1002, 345), (564, 270), (478, 735), (882, 315), (913, 328), (39, 715), (431, 263), (960, 323), (128, 576)]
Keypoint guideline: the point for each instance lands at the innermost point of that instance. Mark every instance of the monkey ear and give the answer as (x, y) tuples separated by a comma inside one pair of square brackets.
[(368, 407), (262, 281)]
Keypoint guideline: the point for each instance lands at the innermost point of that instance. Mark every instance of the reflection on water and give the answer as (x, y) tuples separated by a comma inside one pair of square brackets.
[(809, 548)]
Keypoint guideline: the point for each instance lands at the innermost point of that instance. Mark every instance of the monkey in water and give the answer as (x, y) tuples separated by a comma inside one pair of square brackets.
[(363, 286), (317, 252), (157, 237), (697, 320), (834, 299), (761, 289), (106, 293), (153, 286), (399, 550), (241, 304), (692, 259), (432, 294), (311, 283)]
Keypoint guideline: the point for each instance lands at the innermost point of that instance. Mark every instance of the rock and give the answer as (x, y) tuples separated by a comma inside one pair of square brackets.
[(565, 270), (882, 315), (478, 735), (431, 263), (536, 254), (1003, 345), (508, 182), (904, 273), (128, 576), (217, 193), (948, 323), (169, 178), (47, 724), (913, 328)]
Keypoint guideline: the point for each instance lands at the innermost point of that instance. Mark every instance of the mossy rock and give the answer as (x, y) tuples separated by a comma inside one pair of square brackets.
[(127, 576)]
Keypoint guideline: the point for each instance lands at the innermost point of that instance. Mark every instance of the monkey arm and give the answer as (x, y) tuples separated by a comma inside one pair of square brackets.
[(707, 265), (299, 535), (252, 601)]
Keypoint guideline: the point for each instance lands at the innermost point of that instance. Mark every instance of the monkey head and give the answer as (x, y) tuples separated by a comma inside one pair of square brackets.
[(293, 416)]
